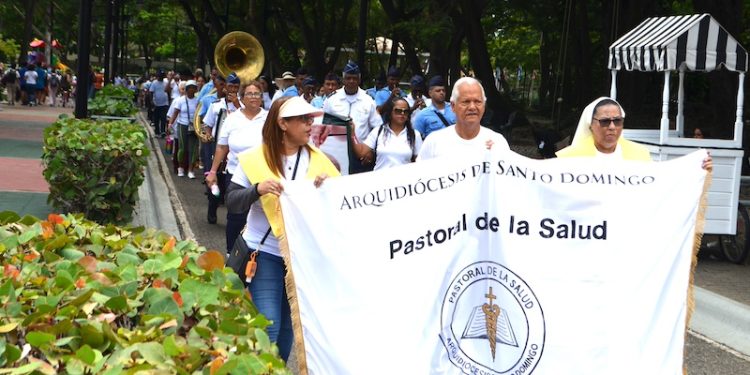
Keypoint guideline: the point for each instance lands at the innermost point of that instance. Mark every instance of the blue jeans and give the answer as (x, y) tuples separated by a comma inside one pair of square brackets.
[(269, 295)]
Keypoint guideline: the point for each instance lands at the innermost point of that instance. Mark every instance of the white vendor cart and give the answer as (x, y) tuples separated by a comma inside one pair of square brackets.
[(693, 43)]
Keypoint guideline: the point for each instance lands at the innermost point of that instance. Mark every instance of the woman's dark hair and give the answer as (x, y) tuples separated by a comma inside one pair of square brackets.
[(388, 110), (604, 102), (269, 84)]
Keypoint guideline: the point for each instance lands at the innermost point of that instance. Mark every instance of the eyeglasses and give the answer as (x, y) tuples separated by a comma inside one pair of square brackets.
[(253, 95), (604, 122), (305, 118), (401, 111)]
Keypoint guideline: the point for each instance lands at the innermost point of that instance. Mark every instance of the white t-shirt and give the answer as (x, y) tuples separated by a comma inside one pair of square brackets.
[(257, 222), (30, 77), (187, 109), (446, 142), (392, 149), (241, 134), (213, 113)]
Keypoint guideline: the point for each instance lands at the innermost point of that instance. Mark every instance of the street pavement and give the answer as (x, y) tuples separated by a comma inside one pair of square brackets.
[(718, 341)]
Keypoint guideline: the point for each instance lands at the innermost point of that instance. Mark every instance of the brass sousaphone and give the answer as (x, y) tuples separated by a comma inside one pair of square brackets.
[(237, 52)]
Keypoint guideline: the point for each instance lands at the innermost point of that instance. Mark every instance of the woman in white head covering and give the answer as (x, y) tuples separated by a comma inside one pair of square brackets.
[(599, 134)]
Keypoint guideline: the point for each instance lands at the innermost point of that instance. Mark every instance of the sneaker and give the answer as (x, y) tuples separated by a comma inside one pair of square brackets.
[(180, 172), (191, 175)]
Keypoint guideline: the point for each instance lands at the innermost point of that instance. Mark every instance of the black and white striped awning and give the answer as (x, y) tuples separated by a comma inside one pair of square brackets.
[(666, 43)]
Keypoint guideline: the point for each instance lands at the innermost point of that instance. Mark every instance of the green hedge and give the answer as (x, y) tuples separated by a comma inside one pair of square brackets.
[(113, 100), (95, 167), (80, 298)]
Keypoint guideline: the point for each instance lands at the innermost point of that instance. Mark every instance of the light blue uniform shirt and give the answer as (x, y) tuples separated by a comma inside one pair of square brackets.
[(206, 89), (317, 101), (383, 94), (291, 91), (427, 120), (206, 101)]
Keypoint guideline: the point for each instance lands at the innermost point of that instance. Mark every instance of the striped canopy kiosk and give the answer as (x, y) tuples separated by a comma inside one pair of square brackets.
[(680, 43)]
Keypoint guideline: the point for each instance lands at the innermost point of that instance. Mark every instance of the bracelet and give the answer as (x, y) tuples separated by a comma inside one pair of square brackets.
[(256, 188), (210, 172)]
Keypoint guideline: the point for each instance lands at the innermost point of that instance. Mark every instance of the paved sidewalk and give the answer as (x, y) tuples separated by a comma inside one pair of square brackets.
[(24, 189)]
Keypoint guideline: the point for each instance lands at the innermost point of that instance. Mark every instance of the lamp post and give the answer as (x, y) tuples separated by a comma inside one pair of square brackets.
[(84, 49)]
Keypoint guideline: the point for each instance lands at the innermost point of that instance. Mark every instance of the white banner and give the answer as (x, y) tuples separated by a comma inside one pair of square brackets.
[(502, 265)]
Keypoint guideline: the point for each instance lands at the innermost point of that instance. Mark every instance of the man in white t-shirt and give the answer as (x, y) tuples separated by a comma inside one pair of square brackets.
[(468, 102)]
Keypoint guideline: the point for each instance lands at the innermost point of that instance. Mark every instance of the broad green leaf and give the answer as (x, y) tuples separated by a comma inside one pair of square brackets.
[(171, 348), (71, 253), (153, 266), (12, 353), (152, 352), (92, 335), (38, 338), (119, 303), (195, 291), (25, 369), (27, 236), (8, 327), (86, 354), (65, 341), (262, 338)]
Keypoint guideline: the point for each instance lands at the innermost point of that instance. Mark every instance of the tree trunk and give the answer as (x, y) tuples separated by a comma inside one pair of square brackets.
[(200, 31), (480, 60), (27, 24)]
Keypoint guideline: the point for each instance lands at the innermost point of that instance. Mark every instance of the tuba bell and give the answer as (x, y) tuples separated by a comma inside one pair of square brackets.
[(237, 52)]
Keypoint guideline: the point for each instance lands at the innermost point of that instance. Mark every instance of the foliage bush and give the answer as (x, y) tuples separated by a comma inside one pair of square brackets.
[(80, 298), (95, 167), (113, 100)]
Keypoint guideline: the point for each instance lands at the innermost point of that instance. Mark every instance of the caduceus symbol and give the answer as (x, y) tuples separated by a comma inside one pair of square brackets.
[(491, 312)]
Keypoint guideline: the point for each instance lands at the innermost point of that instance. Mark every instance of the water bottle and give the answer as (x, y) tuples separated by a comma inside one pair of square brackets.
[(215, 190)]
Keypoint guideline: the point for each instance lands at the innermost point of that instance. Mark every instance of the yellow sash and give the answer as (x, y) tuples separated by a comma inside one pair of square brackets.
[(630, 150), (253, 163)]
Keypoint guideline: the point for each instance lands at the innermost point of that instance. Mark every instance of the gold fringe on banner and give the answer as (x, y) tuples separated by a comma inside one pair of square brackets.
[(697, 239), (291, 292)]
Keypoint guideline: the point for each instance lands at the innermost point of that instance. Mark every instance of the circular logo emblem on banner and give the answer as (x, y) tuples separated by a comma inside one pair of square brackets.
[(492, 321)]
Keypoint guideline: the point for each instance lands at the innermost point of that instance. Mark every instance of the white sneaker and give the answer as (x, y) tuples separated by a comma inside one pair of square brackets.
[(180, 172), (191, 175)]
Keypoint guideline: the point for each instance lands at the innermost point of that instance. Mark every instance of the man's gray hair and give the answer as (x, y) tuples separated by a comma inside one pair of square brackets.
[(466, 81)]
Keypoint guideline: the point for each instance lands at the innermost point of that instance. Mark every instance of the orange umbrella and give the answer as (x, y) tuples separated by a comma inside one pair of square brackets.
[(36, 43)]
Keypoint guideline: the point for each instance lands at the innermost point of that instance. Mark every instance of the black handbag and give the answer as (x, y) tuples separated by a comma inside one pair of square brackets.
[(242, 259)]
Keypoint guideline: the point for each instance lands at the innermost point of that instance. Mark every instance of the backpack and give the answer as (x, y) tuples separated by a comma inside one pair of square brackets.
[(54, 80), (9, 77)]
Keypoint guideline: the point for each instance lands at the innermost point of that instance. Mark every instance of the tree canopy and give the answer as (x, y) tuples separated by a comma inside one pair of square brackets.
[(557, 46)]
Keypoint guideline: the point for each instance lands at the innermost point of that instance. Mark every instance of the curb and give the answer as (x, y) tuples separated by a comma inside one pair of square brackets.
[(723, 320), (169, 217)]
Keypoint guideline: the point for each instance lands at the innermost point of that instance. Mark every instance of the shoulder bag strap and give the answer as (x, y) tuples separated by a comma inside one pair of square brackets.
[(442, 118)]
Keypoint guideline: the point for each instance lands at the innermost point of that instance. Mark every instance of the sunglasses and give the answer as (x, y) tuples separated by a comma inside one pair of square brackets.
[(253, 95), (604, 122), (401, 111), (305, 118)]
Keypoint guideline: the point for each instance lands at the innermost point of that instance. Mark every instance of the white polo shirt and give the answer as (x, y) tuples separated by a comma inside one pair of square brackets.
[(393, 149), (241, 134), (213, 113), (360, 107)]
